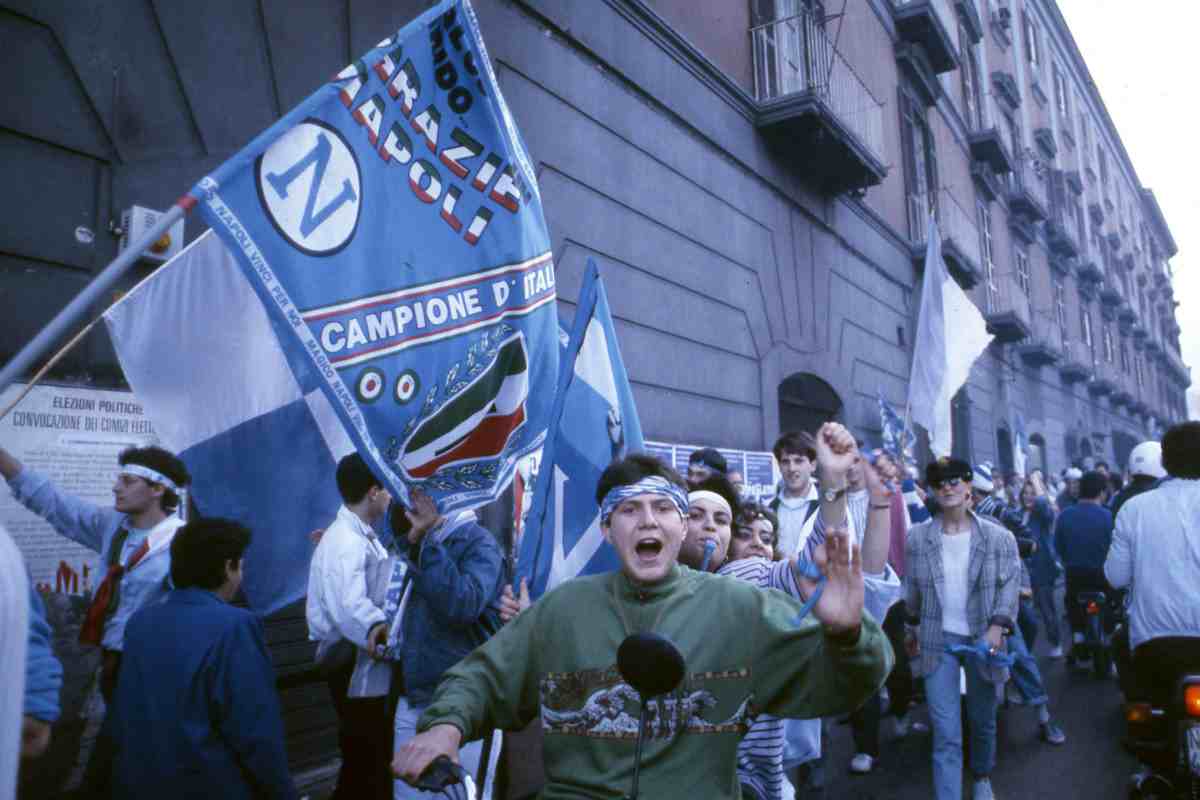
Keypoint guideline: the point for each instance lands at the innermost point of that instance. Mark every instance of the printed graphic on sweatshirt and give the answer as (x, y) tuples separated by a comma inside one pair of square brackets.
[(599, 704)]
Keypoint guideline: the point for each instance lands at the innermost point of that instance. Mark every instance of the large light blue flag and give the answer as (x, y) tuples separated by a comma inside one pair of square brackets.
[(594, 422), (392, 226), (260, 440)]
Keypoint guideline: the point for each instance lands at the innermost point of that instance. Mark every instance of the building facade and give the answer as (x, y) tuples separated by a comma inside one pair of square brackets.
[(755, 178)]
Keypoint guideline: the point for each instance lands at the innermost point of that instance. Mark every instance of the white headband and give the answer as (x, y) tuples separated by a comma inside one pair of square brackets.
[(151, 475), (705, 494)]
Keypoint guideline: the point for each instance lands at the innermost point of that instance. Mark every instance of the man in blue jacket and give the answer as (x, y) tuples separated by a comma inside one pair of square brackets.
[(450, 606), (197, 714), (1082, 537)]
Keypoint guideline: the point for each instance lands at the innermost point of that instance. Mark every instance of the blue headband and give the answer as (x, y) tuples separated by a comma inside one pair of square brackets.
[(654, 484)]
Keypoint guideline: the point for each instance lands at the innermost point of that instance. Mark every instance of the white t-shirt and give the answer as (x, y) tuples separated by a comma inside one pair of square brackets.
[(956, 554)]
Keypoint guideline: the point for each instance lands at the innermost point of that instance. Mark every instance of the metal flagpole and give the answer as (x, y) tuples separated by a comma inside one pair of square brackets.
[(66, 318)]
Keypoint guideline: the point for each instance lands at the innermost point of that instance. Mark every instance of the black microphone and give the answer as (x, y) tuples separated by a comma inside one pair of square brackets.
[(653, 666)]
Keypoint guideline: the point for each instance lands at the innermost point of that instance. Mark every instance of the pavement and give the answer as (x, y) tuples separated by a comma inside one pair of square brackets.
[(1091, 765)]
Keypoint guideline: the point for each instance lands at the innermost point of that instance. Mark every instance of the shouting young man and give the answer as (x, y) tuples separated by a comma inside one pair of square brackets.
[(747, 652)]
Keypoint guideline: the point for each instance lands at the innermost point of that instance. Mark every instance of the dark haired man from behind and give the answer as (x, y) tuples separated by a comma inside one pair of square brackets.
[(1082, 536), (197, 714), (1155, 548), (347, 582)]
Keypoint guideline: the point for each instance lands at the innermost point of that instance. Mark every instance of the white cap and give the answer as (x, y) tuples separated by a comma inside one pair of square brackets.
[(1146, 459), (1073, 474)]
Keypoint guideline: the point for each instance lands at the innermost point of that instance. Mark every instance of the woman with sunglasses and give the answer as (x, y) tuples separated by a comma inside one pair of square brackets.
[(963, 577)]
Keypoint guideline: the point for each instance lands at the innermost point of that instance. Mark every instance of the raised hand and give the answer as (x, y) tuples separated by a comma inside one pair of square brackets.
[(879, 489), (836, 450), (424, 515), (840, 607)]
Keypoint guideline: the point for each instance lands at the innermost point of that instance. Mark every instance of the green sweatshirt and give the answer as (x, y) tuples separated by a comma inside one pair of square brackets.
[(745, 655)]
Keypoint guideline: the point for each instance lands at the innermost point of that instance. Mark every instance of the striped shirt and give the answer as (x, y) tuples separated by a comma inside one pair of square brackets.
[(760, 753)]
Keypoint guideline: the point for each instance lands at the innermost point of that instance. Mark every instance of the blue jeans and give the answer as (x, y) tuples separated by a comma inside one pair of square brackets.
[(1025, 673), (942, 695), (1043, 598)]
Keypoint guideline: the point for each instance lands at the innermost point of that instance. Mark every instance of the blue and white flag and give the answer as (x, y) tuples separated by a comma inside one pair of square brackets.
[(594, 423), (898, 440), (951, 334), (392, 225), (260, 440)]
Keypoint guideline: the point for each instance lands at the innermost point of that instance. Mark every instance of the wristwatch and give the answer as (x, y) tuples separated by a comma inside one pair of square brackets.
[(830, 495)]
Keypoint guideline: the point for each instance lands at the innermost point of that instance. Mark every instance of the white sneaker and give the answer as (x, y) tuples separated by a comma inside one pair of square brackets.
[(982, 790), (861, 764), (1056, 652)]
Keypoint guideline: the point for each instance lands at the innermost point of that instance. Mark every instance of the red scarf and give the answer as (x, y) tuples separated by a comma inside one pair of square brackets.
[(105, 601)]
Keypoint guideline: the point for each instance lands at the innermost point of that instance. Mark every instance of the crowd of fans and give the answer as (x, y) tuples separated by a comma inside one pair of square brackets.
[(891, 591)]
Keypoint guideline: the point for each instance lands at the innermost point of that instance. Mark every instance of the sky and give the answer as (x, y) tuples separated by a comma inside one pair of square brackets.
[(1144, 58)]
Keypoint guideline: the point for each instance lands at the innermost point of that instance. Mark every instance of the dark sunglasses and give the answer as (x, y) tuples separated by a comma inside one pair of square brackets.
[(951, 482)]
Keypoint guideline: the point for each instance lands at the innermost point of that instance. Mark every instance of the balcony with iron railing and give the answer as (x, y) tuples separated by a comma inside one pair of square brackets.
[(1104, 377), (1174, 362), (1110, 295), (1062, 224), (1090, 267), (1123, 390), (1126, 315), (1006, 308), (1028, 193), (990, 142), (960, 236), (1045, 343), (1076, 364), (1163, 273), (932, 24), (813, 105)]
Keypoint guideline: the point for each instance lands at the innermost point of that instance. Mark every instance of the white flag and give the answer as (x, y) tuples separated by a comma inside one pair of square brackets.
[(951, 334)]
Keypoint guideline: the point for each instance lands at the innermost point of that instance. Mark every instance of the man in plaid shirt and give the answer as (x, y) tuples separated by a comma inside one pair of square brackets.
[(961, 585)]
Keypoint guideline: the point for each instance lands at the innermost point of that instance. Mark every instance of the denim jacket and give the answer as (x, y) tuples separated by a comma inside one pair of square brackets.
[(457, 577)]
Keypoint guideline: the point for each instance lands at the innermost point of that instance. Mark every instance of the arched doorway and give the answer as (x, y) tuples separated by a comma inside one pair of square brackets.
[(806, 403), (1004, 451)]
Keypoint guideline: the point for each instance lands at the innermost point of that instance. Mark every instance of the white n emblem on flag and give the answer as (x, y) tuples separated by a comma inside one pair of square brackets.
[(310, 186)]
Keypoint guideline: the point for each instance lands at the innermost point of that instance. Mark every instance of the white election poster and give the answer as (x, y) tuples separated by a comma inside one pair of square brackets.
[(72, 435)]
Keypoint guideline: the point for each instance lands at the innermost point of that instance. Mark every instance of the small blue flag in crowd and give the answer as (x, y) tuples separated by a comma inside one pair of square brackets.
[(593, 423), (898, 440), (393, 228)]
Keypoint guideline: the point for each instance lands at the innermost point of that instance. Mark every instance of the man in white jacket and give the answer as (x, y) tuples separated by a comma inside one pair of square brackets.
[(346, 586)]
